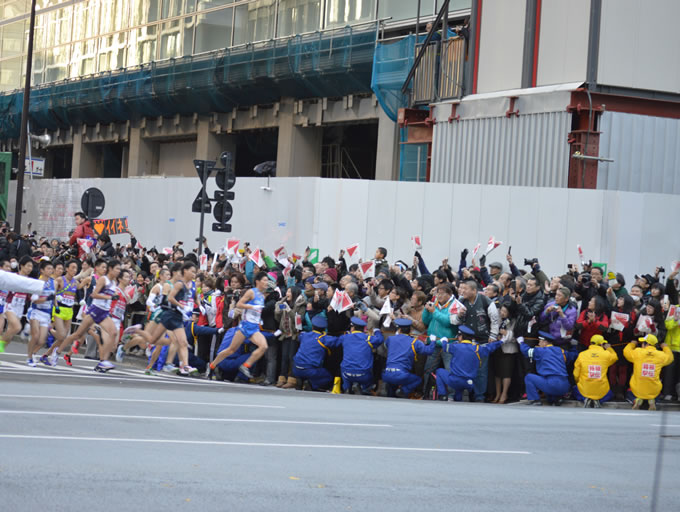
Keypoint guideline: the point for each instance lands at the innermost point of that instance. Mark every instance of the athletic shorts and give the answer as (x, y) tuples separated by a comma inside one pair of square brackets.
[(2, 309), (43, 317), (98, 314), (117, 323), (172, 320), (65, 313), (8, 308), (155, 316), (248, 328)]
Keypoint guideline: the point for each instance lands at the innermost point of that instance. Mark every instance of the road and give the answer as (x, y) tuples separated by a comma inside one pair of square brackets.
[(71, 439)]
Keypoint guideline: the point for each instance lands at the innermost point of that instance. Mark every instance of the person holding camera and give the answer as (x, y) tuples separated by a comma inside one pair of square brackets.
[(560, 316)]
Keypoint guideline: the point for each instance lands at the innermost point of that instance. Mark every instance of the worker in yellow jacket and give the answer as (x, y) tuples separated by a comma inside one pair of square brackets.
[(590, 373), (647, 363)]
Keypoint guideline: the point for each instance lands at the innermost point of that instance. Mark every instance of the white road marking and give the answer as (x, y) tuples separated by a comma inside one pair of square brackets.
[(136, 400), (670, 426), (111, 376), (266, 445), (180, 418)]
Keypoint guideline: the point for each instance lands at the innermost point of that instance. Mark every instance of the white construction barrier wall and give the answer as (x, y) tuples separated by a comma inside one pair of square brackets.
[(630, 232)]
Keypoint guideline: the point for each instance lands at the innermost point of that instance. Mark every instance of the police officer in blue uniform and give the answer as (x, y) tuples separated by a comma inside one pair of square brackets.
[(357, 361), (402, 351), (467, 359), (308, 361), (551, 367)]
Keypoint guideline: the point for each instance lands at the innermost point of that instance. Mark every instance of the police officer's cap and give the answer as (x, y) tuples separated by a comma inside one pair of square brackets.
[(319, 322), (464, 329), (542, 335), (403, 322), (358, 322)]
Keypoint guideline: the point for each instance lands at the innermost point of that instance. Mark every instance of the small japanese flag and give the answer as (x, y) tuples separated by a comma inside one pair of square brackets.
[(675, 266), (580, 255), (386, 308), (167, 250), (336, 300), (298, 321), (619, 321), (353, 251), (281, 254), (140, 246), (232, 246), (86, 244), (417, 242), (345, 302), (367, 269), (204, 261), (130, 291), (455, 307), (256, 257), (491, 245), (475, 250), (287, 270)]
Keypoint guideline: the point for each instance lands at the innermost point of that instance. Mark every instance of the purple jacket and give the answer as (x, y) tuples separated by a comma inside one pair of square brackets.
[(560, 327)]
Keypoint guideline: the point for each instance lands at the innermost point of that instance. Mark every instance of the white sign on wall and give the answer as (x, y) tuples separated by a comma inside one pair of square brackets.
[(37, 169)]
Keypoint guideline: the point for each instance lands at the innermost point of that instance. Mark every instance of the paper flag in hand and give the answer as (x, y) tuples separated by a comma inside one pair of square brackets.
[(491, 245), (130, 291), (336, 300), (280, 254), (353, 251), (232, 246), (86, 244), (140, 246), (386, 308), (295, 257), (672, 313), (455, 307), (417, 243), (313, 256), (256, 257), (287, 270), (580, 255), (475, 250), (298, 321), (367, 269), (619, 321), (204, 261), (345, 303), (675, 266), (167, 250)]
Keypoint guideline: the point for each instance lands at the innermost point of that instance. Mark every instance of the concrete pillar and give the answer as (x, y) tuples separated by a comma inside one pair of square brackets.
[(387, 159), (299, 148), (143, 154), (84, 162), (209, 145)]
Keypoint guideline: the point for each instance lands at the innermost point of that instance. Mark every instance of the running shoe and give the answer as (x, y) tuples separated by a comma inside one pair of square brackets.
[(149, 371), (169, 368), (74, 347), (652, 405), (245, 371), (119, 354), (182, 370), (187, 370), (637, 404), (54, 357), (44, 360), (2, 346), (30, 362), (67, 358), (104, 366)]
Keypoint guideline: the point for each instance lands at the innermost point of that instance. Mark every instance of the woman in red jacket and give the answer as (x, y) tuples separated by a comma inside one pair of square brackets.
[(592, 321)]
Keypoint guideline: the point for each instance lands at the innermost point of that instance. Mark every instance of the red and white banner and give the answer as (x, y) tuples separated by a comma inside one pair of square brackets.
[(353, 252), (491, 245), (86, 244), (367, 269), (256, 257), (619, 321)]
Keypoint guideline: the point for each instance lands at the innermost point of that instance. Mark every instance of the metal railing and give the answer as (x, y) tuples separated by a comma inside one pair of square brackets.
[(439, 75), (338, 163)]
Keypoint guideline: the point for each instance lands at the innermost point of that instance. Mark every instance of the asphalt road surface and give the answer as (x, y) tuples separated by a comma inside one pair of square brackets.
[(71, 439)]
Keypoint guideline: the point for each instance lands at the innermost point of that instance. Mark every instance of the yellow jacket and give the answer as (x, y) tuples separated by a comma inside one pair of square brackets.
[(590, 371), (647, 363)]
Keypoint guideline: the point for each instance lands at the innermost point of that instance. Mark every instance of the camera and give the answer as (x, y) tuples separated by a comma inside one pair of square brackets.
[(662, 270), (530, 262), (586, 277)]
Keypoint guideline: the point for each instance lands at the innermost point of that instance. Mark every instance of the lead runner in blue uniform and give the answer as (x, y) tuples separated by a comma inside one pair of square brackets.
[(252, 304)]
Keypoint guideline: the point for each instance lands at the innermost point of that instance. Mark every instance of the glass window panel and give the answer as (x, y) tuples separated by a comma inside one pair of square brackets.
[(172, 8), (13, 39), (188, 44), (142, 45), (59, 25), (171, 39), (254, 22), (14, 8), (10, 74), (299, 17), (344, 12), (209, 4), (457, 5), (56, 65), (189, 6), (39, 32), (213, 30), (83, 58), (86, 19), (403, 9), (37, 68), (115, 15), (145, 11), (112, 51)]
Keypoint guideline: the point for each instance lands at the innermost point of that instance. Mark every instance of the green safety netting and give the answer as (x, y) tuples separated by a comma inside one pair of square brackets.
[(325, 64)]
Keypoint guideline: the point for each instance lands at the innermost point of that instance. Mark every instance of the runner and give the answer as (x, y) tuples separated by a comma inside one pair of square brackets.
[(118, 309), (252, 304), (179, 309), (5, 265), (98, 313), (40, 313), (157, 295), (14, 308)]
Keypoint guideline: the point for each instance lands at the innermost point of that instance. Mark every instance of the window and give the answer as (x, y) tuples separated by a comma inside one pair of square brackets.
[(115, 15), (83, 58), (59, 25), (254, 21), (144, 11), (214, 30), (10, 74), (345, 12), (209, 4), (13, 39), (86, 20), (142, 45), (112, 51), (298, 17), (57, 60), (171, 39)]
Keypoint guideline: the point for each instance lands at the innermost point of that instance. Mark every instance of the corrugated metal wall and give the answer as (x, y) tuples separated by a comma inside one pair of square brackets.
[(646, 153), (529, 150)]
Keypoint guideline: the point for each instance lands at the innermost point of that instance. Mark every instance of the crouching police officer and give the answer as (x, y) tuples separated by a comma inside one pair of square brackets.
[(551, 366), (590, 373), (308, 361), (357, 360), (402, 351), (467, 359)]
